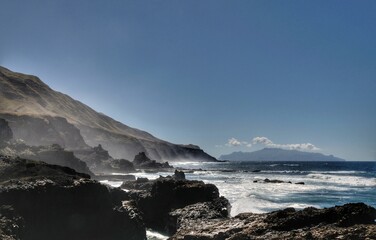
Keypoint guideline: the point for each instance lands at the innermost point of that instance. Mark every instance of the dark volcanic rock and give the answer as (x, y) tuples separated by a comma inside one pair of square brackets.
[(179, 175), (143, 184), (267, 180), (351, 221), (99, 160), (156, 199), (142, 161), (219, 208), (343, 216), (123, 165), (6, 133), (53, 154), (11, 224), (58, 203)]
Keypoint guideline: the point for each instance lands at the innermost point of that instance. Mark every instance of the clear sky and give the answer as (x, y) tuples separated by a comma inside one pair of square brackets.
[(225, 75)]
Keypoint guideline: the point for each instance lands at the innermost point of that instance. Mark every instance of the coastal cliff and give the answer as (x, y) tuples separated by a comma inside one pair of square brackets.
[(41, 116)]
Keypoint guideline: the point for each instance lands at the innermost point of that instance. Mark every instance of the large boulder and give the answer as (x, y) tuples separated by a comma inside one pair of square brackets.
[(157, 198), (58, 203)]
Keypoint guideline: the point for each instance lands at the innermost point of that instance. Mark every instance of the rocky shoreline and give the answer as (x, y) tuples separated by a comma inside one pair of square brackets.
[(44, 201)]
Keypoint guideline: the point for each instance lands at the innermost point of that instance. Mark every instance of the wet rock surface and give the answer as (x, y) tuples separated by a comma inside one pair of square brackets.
[(350, 221), (158, 199), (11, 224), (267, 180), (56, 202), (184, 217)]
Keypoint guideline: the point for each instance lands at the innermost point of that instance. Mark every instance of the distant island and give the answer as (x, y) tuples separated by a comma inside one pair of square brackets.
[(277, 154)]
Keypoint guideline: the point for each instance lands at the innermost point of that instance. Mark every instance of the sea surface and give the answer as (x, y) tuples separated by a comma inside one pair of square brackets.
[(325, 183)]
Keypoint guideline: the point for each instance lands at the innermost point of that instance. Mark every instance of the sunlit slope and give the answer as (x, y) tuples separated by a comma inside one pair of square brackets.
[(25, 95)]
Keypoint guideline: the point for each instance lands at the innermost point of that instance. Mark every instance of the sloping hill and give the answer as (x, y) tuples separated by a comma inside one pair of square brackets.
[(40, 116), (277, 154)]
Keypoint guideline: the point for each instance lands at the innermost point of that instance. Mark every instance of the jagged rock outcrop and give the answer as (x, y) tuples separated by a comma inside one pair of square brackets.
[(99, 160), (37, 130), (41, 116), (158, 198), (6, 133), (141, 161), (350, 221), (53, 154), (56, 202)]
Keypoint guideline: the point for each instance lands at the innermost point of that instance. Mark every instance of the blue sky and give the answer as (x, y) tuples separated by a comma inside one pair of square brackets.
[(225, 75)]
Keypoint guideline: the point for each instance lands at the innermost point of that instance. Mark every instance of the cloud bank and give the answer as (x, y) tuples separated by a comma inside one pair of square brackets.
[(233, 142), (294, 146)]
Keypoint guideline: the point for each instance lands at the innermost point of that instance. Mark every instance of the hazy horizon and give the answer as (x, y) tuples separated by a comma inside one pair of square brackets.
[(227, 76)]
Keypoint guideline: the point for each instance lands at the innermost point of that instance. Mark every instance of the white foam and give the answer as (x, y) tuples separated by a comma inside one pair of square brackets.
[(112, 183), (344, 180), (255, 205), (152, 235), (247, 196)]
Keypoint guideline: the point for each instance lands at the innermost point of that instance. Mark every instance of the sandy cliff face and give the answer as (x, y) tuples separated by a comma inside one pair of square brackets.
[(41, 116)]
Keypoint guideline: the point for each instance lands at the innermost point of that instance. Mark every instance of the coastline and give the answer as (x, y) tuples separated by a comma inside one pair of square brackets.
[(167, 207), (322, 188)]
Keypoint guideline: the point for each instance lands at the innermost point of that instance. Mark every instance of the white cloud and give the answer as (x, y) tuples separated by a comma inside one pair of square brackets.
[(233, 142), (262, 140), (295, 146)]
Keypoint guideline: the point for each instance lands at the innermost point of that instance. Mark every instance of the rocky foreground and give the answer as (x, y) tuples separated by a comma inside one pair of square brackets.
[(194, 210), (43, 201)]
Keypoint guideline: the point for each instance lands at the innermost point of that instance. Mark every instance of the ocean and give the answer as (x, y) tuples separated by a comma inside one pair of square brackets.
[(325, 183)]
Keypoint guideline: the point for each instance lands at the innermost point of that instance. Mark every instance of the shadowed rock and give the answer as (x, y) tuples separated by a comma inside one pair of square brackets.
[(58, 203), (53, 154), (142, 161), (179, 175), (6, 133), (157, 198), (350, 221)]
